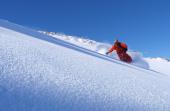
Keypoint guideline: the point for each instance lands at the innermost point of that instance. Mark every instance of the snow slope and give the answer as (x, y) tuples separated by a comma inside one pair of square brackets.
[(159, 64), (98, 47), (41, 73), (156, 64)]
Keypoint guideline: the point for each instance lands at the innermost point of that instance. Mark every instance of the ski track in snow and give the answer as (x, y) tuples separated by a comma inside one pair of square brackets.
[(40, 73)]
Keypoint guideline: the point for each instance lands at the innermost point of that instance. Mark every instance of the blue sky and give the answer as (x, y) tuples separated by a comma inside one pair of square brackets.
[(143, 24)]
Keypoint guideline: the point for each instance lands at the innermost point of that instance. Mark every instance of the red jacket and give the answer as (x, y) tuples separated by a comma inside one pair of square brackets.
[(121, 52), (118, 49)]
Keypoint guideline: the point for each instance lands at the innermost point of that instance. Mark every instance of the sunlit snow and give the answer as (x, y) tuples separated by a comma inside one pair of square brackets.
[(43, 73)]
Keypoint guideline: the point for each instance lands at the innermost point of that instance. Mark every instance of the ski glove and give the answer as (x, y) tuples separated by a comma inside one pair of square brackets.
[(107, 53)]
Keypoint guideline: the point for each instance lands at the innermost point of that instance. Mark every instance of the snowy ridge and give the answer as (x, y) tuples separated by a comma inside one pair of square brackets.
[(79, 41), (41, 73)]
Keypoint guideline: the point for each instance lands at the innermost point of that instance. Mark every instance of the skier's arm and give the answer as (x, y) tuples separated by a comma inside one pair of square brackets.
[(111, 49)]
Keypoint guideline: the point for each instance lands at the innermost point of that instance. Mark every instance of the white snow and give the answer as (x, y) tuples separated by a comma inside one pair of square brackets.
[(159, 65), (98, 47), (102, 48), (42, 73)]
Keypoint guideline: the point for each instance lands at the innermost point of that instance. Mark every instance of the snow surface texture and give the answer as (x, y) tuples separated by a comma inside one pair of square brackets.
[(40, 73)]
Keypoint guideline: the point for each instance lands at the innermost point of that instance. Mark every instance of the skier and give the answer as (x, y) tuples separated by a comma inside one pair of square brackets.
[(121, 49)]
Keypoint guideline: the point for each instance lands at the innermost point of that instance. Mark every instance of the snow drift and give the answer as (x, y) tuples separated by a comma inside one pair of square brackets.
[(41, 73)]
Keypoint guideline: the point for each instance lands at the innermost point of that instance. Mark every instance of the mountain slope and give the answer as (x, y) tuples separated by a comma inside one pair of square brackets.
[(156, 64), (38, 72)]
